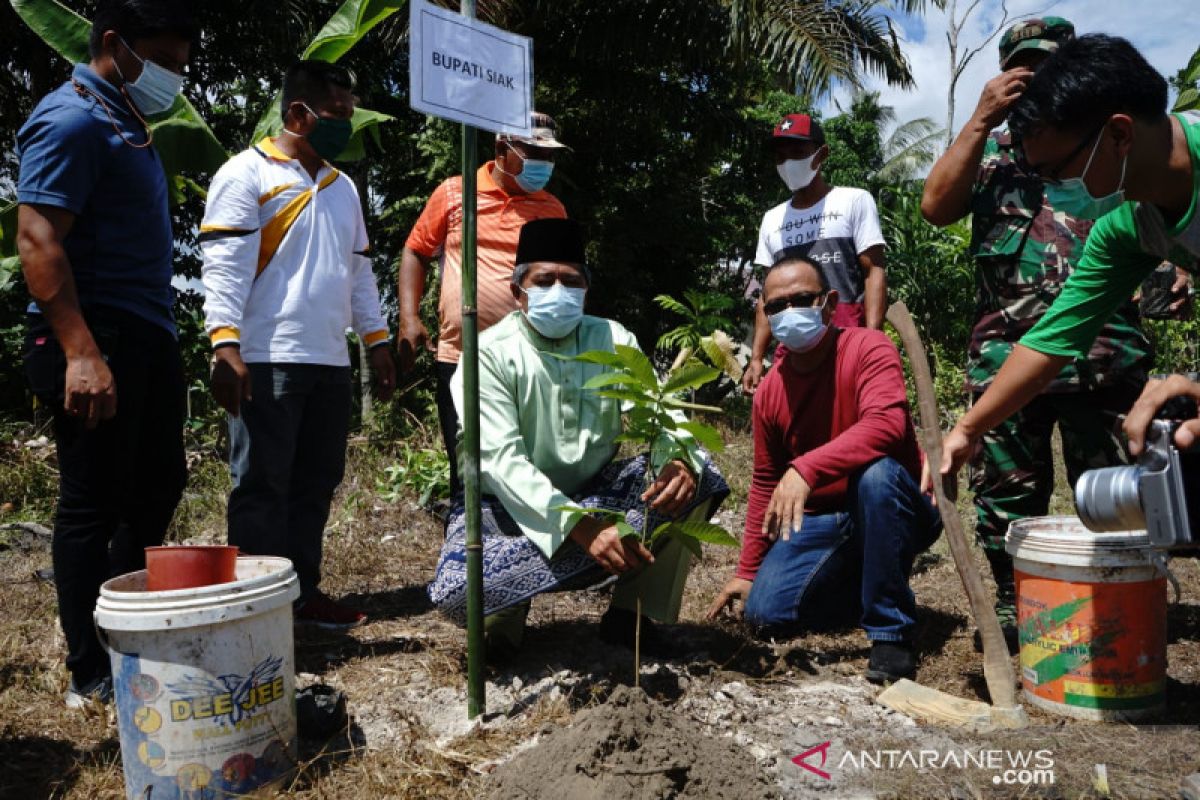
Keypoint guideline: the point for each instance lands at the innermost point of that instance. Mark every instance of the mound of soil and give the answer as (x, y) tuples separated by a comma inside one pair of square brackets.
[(631, 748)]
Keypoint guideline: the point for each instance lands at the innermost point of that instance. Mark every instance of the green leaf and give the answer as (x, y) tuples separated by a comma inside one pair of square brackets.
[(708, 436), (603, 513), (671, 529), (624, 395), (184, 141), (347, 27), (671, 304), (625, 530), (675, 402), (1188, 99), (690, 544), (638, 365), (9, 267), (602, 357), (612, 379), (704, 532), (58, 26), (8, 228), (668, 448), (660, 531), (690, 376)]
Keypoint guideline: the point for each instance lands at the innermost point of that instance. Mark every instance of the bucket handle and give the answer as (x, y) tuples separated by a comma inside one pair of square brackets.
[(1159, 560), (101, 635)]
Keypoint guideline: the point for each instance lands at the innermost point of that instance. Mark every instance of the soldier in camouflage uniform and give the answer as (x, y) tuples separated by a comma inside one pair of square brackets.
[(1024, 250)]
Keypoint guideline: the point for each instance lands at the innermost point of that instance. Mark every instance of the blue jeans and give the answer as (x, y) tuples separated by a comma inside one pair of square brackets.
[(850, 564), (287, 455)]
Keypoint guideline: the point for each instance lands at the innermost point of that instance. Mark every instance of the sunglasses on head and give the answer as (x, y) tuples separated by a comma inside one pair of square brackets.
[(798, 300)]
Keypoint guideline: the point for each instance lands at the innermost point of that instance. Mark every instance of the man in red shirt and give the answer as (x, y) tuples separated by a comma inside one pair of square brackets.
[(835, 515)]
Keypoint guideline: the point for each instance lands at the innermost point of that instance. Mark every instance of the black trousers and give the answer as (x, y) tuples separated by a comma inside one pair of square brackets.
[(120, 482), (448, 421), (287, 455)]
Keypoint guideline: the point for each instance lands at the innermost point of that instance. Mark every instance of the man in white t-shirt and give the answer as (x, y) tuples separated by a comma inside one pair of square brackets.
[(836, 227)]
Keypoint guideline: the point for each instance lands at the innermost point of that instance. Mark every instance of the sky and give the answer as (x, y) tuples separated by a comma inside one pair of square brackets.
[(1167, 32)]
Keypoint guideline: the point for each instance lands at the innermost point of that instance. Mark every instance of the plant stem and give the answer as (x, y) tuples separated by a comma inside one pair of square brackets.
[(637, 624), (637, 645)]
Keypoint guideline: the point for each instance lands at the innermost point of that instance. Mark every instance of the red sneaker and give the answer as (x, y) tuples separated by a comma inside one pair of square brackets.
[(321, 612)]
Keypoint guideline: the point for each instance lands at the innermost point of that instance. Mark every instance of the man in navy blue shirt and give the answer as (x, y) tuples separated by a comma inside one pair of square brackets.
[(94, 236)]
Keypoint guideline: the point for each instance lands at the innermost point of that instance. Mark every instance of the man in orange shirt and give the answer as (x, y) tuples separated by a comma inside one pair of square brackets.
[(509, 193)]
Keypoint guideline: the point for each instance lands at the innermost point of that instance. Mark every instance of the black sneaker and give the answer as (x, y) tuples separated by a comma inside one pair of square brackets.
[(618, 627), (891, 661), (97, 689)]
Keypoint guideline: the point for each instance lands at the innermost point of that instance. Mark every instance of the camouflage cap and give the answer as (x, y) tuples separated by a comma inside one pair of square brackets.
[(1040, 33)]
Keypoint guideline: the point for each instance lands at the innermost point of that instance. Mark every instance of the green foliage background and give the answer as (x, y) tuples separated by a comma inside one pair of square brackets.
[(667, 108)]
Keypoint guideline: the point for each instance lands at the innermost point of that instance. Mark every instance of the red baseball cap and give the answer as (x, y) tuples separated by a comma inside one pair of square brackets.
[(799, 126)]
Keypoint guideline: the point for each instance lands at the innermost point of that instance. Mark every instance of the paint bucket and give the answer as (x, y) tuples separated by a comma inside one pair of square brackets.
[(1092, 619), (189, 566), (204, 681)]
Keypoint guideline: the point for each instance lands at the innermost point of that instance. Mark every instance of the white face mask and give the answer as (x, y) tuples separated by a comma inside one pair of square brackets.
[(797, 173), (155, 89)]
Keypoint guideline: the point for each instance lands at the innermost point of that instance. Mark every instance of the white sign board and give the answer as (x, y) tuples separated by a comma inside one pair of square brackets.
[(468, 71)]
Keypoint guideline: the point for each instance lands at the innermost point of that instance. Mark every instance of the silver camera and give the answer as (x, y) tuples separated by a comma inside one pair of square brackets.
[(1160, 494)]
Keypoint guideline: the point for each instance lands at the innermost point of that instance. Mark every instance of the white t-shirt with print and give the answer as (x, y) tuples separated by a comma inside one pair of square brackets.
[(832, 233)]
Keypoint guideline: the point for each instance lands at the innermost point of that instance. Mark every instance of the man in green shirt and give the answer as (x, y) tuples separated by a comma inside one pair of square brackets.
[(1093, 124), (1025, 249), (546, 441)]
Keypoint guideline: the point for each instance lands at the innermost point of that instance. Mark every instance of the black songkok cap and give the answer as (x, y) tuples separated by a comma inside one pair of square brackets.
[(559, 240)]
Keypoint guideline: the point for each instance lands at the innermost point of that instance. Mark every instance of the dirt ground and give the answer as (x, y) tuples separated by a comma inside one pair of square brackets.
[(763, 703)]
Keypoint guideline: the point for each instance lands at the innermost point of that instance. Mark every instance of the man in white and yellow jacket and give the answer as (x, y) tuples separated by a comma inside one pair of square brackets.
[(285, 274)]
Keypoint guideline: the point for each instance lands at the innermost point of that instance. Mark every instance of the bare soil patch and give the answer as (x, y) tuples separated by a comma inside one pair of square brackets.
[(765, 702)]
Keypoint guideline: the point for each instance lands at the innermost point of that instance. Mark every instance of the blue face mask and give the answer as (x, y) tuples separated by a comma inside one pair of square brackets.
[(534, 174), (556, 311), (1073, 198), (798, 329), (155, 89)]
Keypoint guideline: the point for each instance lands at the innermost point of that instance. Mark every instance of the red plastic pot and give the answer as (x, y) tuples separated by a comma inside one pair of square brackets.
[(189, 566)]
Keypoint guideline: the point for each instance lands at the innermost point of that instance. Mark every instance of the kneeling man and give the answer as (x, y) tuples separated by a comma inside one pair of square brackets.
[(835, 515), (545, 442)]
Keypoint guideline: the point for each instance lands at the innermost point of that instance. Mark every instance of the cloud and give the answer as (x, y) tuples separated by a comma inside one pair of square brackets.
[(1154, 28)]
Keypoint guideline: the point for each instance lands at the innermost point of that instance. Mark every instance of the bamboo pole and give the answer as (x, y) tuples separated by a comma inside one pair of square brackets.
[(469, 449)]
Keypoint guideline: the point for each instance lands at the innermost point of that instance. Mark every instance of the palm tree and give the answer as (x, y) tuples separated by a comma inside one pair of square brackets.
[(811, 44), (908, 148)]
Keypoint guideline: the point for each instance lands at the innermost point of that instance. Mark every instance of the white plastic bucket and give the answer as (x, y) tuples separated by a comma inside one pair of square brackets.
[(204, 681), (1092, 619)]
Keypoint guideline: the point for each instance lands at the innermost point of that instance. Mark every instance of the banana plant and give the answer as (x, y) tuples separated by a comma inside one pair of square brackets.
[(654, 423)]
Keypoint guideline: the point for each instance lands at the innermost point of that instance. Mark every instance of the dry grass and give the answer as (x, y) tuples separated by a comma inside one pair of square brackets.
[(380, 557)]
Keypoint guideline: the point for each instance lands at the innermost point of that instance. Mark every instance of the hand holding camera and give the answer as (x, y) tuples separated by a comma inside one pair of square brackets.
[(1161, 493)]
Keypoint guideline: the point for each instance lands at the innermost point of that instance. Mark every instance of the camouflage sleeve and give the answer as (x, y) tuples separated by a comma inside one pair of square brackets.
[(987, 165), (1113, 265)]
